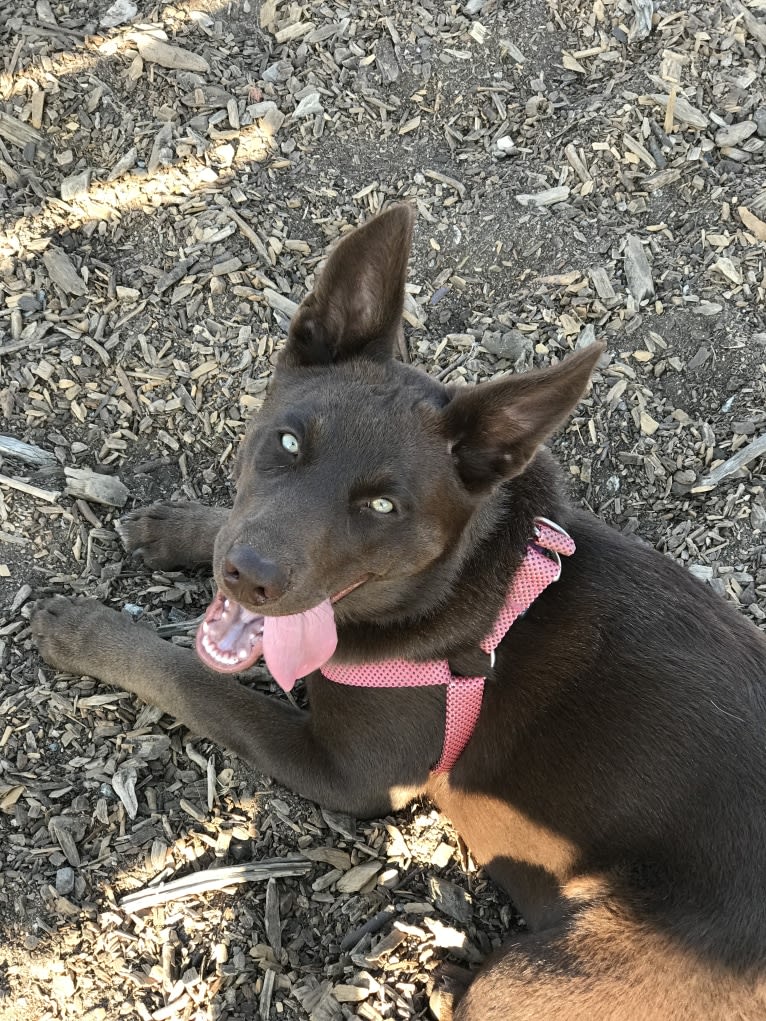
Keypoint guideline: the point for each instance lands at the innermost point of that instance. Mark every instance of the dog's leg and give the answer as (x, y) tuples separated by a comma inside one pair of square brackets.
[(603, 965), (170, 536), (451, 983), (351, 752)]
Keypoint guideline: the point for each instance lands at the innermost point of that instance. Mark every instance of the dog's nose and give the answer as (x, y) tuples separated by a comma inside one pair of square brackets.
[(251, 577)]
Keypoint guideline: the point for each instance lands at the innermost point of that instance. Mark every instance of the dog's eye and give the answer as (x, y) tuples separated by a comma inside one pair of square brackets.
[(290, 443), (381, 505)]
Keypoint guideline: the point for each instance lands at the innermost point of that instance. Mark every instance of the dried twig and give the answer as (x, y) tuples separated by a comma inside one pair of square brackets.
[(756, 448), (26, 452), (49, 495), (215, 879)]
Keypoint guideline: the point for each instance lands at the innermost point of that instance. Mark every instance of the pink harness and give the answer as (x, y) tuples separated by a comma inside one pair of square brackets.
[(464, 694)]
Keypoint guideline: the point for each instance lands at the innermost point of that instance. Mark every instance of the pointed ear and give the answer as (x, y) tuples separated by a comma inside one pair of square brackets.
[(496, 428), (356, 305)]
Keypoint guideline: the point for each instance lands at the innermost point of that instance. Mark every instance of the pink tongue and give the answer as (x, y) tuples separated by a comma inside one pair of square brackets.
[(295, 645), (232, 638)]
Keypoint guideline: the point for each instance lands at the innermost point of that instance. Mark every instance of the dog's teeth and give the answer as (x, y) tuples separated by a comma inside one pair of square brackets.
[(226, 604), (205, 627)]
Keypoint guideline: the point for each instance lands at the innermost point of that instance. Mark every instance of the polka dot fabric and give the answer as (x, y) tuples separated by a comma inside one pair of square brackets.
[(541, 566)]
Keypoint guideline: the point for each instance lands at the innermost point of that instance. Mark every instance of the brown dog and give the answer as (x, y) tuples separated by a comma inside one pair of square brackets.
[(615, 784)]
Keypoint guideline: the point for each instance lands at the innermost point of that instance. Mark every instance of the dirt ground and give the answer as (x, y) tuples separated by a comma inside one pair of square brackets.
[(169, 181)]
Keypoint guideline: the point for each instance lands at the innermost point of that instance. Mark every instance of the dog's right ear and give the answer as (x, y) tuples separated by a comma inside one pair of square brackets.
[(356, 306)]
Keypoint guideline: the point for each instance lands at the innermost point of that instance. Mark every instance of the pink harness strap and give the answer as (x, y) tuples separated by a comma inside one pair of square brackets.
[(464, 694)]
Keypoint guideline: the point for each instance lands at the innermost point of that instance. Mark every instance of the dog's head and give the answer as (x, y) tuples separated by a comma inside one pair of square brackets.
[(361, 475)]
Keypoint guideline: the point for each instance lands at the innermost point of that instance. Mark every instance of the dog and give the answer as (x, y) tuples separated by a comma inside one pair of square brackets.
[(603, 756)]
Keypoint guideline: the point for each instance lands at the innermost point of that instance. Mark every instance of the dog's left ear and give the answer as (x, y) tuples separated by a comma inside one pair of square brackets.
[(356, 305), (496, 428)]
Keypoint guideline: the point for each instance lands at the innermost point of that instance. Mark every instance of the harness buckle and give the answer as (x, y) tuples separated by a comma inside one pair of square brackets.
[(550, 524)]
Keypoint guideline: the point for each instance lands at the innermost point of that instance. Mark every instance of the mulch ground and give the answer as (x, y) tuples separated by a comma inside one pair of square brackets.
[(170, 177)]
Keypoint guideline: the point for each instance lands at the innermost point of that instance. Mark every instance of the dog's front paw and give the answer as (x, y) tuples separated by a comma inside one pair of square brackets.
[(78, 636), (171, 536), (156, 534)]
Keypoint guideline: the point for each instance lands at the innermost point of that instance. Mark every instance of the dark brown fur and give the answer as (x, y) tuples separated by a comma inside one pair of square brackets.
[(615, 785)]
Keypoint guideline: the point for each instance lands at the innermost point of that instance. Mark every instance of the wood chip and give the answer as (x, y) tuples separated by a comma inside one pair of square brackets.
[(735, 134), (577, 163), (174, 57), (451, 899), (648, 425), (637, 269), (548, 197), (727, 268), (36, 112), (75, 187), (683, 111), (271, 919), (124, 786), (451, 182), (280, 302), (602, 283), (26, 452), (755, 27), (633, 145), (350, 994), (61, 830), (358, 876), (62, 272), (452, 939), (84, 484), (754, 224), (309, 106), (17, 132), (267, 991), (743, 457)]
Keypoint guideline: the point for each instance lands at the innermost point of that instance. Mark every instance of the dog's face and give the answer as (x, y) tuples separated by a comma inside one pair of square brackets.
[(347, 477), (360, 473)]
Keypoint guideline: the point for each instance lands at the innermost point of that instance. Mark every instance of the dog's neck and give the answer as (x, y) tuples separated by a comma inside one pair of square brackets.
[(456, 600)]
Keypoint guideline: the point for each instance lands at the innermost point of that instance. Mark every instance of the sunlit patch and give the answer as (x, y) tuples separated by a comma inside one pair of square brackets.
[(109, 43), (134, 189), (109, 200)]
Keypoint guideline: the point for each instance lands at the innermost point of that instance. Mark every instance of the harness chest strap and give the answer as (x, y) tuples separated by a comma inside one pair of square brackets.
[(464, 694)]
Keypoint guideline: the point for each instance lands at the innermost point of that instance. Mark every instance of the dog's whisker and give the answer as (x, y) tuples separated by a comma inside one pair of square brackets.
[(725, 713)]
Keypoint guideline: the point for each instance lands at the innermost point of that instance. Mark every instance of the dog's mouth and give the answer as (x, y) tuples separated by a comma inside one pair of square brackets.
[(232, 638)]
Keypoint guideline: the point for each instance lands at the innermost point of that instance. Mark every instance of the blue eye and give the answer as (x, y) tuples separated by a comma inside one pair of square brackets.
[(290, 443), (381, 505)]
